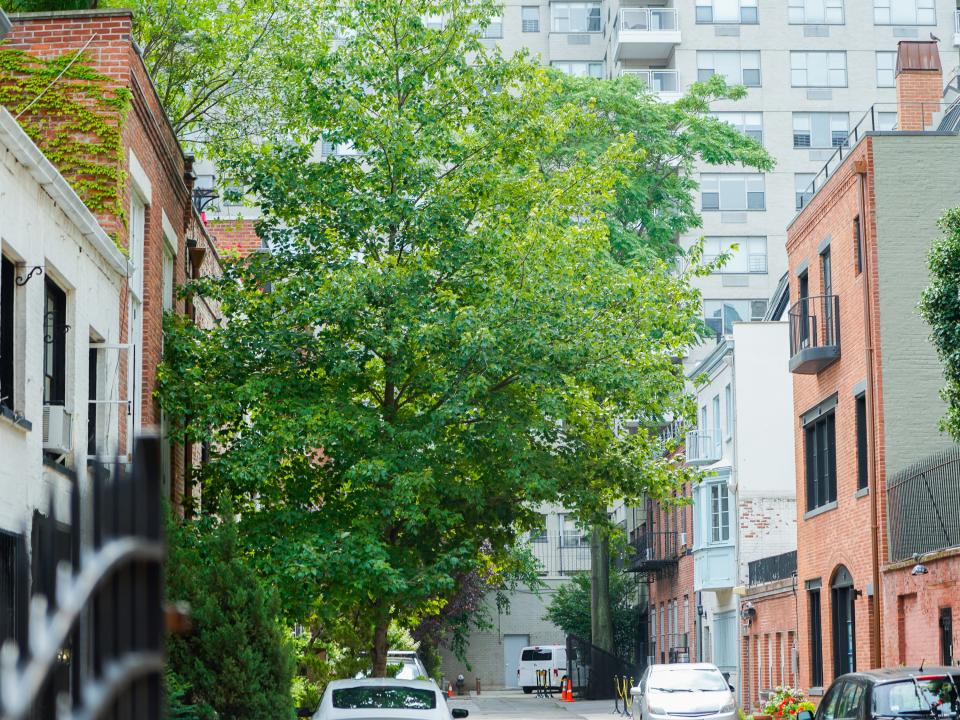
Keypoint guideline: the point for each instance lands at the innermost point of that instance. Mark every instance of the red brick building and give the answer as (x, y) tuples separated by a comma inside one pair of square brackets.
[(154, 217), (866, 409)]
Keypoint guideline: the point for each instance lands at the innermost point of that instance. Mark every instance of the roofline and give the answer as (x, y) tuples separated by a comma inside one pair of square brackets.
[(59, 190)]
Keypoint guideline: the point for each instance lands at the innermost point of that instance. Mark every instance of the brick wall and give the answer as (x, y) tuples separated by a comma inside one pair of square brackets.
[(839, 536), (775, 606), (238, 235), (147, 134)]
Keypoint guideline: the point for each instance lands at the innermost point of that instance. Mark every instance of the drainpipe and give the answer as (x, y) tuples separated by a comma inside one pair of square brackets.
[(860, 168)]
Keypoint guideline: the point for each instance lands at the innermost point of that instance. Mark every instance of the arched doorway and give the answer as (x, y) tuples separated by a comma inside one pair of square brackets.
[(844, 625)]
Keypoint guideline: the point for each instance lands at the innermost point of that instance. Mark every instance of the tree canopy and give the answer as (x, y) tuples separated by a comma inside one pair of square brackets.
[(443, 335), (940, 307)]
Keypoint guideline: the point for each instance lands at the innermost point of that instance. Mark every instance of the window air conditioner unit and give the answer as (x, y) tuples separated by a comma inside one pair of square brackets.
[(57, 429), (682, 539)]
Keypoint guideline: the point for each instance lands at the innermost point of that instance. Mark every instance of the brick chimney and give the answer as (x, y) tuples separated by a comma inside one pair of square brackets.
[(919, 83)]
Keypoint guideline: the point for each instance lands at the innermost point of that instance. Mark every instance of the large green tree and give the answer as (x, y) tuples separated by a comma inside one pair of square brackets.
[(940, 307), (442, 336)]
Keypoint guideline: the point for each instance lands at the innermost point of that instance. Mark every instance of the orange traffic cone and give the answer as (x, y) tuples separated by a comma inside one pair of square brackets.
[(449, 689), (566, 693)]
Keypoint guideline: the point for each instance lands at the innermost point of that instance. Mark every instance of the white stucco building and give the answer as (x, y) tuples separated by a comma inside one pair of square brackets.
[(745, 509), (60, 279)]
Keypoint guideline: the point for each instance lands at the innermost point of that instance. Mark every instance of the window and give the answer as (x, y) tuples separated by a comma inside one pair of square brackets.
[(820, 129), (857, 245), (904, 12), (737, 67), (750, 255), (816, 12), (530, 18), (494, 30), (820, 445), (861, 403), (721, 314), (749, 123), (717, 438), (572, 536), (818, 69), (54, 345), (727, 11), (92, 376), (886, 69), (13, 588), (729, 191), (802, 183), (816, 636), (728, 407), (579, 69), (7, 286), (576, 17), (887, 120), (719, 512)]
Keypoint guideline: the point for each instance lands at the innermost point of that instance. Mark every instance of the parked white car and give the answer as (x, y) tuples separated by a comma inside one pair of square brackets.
[(689, 690), (385, 699), (408, 666), (552, 658)]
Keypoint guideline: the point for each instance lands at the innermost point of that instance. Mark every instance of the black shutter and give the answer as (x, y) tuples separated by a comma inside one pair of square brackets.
[(7, 286), (861, 442), (830, 433)]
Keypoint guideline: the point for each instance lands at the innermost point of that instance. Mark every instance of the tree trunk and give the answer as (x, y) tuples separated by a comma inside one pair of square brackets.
[(379, 654), (601, 616)]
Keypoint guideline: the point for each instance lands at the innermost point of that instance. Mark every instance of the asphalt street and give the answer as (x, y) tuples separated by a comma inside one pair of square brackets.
[(514, 705)]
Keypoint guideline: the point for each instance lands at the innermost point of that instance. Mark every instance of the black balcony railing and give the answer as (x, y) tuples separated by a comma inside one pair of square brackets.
[(814, 333), (773, 568), (923, 503), (654, 551)]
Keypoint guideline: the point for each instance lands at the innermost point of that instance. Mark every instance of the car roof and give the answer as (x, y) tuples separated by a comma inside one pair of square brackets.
[(545, 647), (884, 675), (674, 667), (383, 682)]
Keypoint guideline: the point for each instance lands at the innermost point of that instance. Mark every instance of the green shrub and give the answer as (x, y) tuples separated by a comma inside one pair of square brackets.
[(237, 662)]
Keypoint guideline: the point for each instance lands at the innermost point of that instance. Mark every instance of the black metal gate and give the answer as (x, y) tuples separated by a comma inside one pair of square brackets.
[(92, 646)]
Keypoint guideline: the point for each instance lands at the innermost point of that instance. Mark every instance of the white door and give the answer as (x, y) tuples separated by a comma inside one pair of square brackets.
[(512, 647)]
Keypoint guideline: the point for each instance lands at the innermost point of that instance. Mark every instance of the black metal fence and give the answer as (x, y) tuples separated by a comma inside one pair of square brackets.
[(91, 646), (592, 670), (654, 550), (923, 506), (772, 568)]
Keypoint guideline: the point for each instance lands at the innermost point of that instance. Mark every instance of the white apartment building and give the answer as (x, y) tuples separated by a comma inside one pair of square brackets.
[(745, 509), (813, 68), (60, 280)]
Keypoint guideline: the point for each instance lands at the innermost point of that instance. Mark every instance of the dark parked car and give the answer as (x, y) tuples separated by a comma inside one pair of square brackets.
[(888, 694)]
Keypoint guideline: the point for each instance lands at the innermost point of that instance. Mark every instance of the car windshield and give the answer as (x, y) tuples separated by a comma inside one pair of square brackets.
[(933, 696), (384, 698), (687, 680)]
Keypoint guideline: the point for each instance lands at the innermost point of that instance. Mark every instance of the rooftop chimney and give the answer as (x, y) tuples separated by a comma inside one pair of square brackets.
[(919, 83)]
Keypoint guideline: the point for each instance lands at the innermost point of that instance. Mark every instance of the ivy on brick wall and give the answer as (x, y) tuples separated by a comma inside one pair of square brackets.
[(77, 121)]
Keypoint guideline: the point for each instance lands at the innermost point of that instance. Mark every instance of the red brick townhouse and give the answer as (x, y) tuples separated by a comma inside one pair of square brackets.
[(876, 481), (153, 218)]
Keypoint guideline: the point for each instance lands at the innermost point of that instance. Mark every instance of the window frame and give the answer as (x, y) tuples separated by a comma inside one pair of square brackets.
[(524, 9), (54, 344), (815, 620), (801, 5), (815, 122), (741, 125), (563, 65), (700, 18), (878, 8), (747, 250), (718, 517), (728, 409), (8, 345), (860, 405), (801, 196), (820, 473), (892, 55), (723, 304), (710, 180), (707, 70), (807, 55), (588, 16)]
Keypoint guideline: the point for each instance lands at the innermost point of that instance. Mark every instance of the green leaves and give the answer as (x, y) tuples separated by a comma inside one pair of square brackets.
[(443, 336), (940, 307)]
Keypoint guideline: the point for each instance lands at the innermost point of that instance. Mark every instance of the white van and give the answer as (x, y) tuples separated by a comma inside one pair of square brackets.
[(552, 658)]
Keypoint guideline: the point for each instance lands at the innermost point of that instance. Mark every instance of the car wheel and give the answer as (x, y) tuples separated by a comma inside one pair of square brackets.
[(527, 690)]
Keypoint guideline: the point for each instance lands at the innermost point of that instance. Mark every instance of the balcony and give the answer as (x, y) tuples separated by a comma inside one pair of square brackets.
[(956, 28), (814, 334), (654, 551), (647, 33), (703, 447), (664, 83), (715, 567)]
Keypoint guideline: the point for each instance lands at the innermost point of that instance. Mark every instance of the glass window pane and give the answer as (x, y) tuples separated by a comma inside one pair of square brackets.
[(732, 193)]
